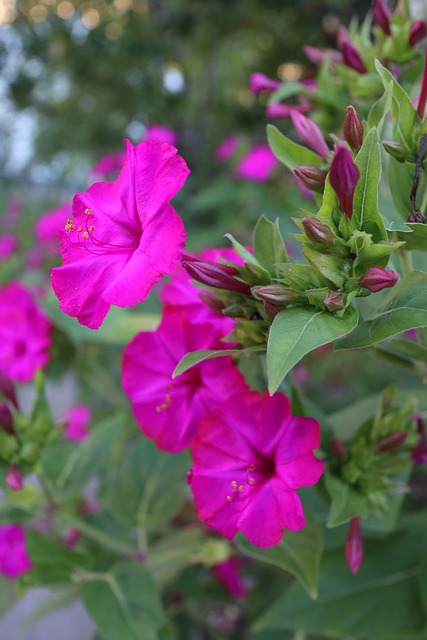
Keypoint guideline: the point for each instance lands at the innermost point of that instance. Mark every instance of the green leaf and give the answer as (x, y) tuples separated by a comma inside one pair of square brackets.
[(345, 502), (400, 179), (299, 553), (290, 153), (365, 202), (402, 109), (405, 308), (417, 240), (287, 90), (297, 331), (380, 108), (169, 555), (269, 248), (246, 255), (124, 603), (381, 602), (194, 357), (52, 562), (410, 348)]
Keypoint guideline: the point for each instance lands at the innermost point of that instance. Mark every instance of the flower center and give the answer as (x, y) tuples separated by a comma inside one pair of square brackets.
[(83, 237), (255, 475)]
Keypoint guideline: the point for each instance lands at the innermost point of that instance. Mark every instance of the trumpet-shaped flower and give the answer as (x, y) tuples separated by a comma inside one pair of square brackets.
[(250, 456), (124, 235), (169, 410)]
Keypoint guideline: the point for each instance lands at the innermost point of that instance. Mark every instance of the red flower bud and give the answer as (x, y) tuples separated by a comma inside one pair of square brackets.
[(6, 419), (343, 177), (310, 133), (14, 478), (354, 546), (259, 82), (377, 278), (311, 177), (317, 231), (353, 129), (351, 57), (382, 15), (393, 441), (212, 274), (417, 32)]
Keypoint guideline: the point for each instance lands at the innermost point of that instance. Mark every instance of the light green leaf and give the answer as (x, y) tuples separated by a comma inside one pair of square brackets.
[(405, 308), (380, 109), (290, 153), (194, 357), (345, 502), (297, 331), (365, 202), (287, 90), (124, 603), (417, 240), (269, 248), (299, 553), (402, 109), (400, 179), (246, 255)]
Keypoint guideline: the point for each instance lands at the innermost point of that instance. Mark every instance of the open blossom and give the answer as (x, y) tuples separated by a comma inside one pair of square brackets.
[(227, 148), (161, 134), (14, 558), (228, 574), (24, 334), (49, 227), (76, 420), (124, 236), (169, 410), (257, 164), (250, 456)]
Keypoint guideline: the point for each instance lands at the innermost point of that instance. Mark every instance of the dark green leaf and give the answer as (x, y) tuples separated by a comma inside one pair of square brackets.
[(52, 562), (172, 553), (400, 179), (402, 109), (269, 248), (345, 502), (417, 240), (290, 153)]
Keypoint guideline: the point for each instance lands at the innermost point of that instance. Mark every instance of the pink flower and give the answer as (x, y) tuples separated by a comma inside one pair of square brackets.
[(8, 246), (260, 82), (227, 148), (161, 134), (77, 419), (310, 133), (49, 226), (14, 558), (250, 456), (109, 164), (124, 236), (278, 110), (24, 334), (228, 574), (257, 164), (169, 410), (13, 478), (317, 56)]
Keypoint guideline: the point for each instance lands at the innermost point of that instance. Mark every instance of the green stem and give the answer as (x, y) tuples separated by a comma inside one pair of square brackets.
[(96, 535), (405, 260)]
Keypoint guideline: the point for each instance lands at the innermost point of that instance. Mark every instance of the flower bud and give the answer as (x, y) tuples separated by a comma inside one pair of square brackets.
[(219, 276), (393, 441), (343, 176), (7, 389), (334, 300), (310, 133), (259, 82), (14, 478), (396, 149), (280, 110), (311, 177), (338, 448), (417, 32), (353, 129), (317, 56), (212, 302), (377, 278), (317, 231), (382, 15), (71, 537), (276, 294), (351, 57), (354, 546), (272, 309), (6, 419)]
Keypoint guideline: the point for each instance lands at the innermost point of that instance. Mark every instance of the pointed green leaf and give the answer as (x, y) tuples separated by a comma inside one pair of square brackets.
[(402, 109), (194, 357), (345, 502), (405, 308), (290, 153), (380, 109), (299, 553), (400, 180), (297, 331), (269, 248)]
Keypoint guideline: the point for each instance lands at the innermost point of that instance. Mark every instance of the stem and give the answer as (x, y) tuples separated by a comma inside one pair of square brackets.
[(96, 535), (423, 95), (415, 211)]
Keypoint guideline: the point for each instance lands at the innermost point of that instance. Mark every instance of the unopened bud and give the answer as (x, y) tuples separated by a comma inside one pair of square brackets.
[(7, 389), (278, 110), (343, 176), (334, 301), (377, 278), (6, 419), (71, 537), (212, 302), (259, 82), (351, 57), (393, 441), (215, 275), (382, 15), (396, 149), (317, 56), (312, 177), (272, 309), (317, 231), (354, 546), (417, 32), (277, 294), (13, 478), (338, 448), (310, 133), (353, 129)]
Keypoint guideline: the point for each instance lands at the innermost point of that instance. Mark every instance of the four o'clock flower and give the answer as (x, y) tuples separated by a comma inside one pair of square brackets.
[(124, 236), (260, 82), (354, 546), (250, 456), (14, 558), (377, 278), (343, 176), (310, 133)]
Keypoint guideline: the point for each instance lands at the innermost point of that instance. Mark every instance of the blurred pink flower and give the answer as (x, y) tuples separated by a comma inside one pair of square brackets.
[(279, 110), (160, 133), (8, 244), (169, 410), (227, 148), (228, 574), (250, 456), (49, 227), (14, 558), (258, 164), (260, 82), (109, 165), (77, 419), (24, 334), (125, 235)]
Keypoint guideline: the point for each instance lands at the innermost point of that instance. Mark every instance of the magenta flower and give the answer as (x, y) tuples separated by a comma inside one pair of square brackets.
[(49, 227), (76, 420), (250, 456), (257, 164), (228, 574), (24, 334), (354, 546), (260, 82), (8, 246), (124, 236), (169, 410), (161, 134), (109, 164), (310, 133), (227, 148), (14, 558), (278, 110), (343, 176), (377, 278)]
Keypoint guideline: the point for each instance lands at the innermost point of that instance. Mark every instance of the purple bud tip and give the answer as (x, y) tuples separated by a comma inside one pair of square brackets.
[(13, 478), (354, 546), (382, 15), (393, 441), (351, 57), (259, 82), (417, 32), (310, 133), (343, 176), (312, 177), (353, 128), (377, 278)]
